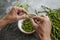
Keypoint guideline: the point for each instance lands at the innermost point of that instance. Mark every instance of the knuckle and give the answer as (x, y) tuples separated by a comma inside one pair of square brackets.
[(14, 7), (34, 25)]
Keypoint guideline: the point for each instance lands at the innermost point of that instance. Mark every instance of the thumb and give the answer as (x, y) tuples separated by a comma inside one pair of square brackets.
[(33, 23), (22, 17)]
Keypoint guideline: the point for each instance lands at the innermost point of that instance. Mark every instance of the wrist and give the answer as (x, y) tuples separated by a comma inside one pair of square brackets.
[(5, 20), (44, 37)]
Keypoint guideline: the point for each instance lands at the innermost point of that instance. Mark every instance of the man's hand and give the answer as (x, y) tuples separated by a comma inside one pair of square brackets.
[(14, 14), (44, 28)]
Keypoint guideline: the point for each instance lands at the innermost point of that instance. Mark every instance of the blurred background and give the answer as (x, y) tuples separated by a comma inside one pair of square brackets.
[(5, 5)]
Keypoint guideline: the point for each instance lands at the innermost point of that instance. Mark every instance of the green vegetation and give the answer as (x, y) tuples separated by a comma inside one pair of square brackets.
[(27, 26), (25, 6)]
